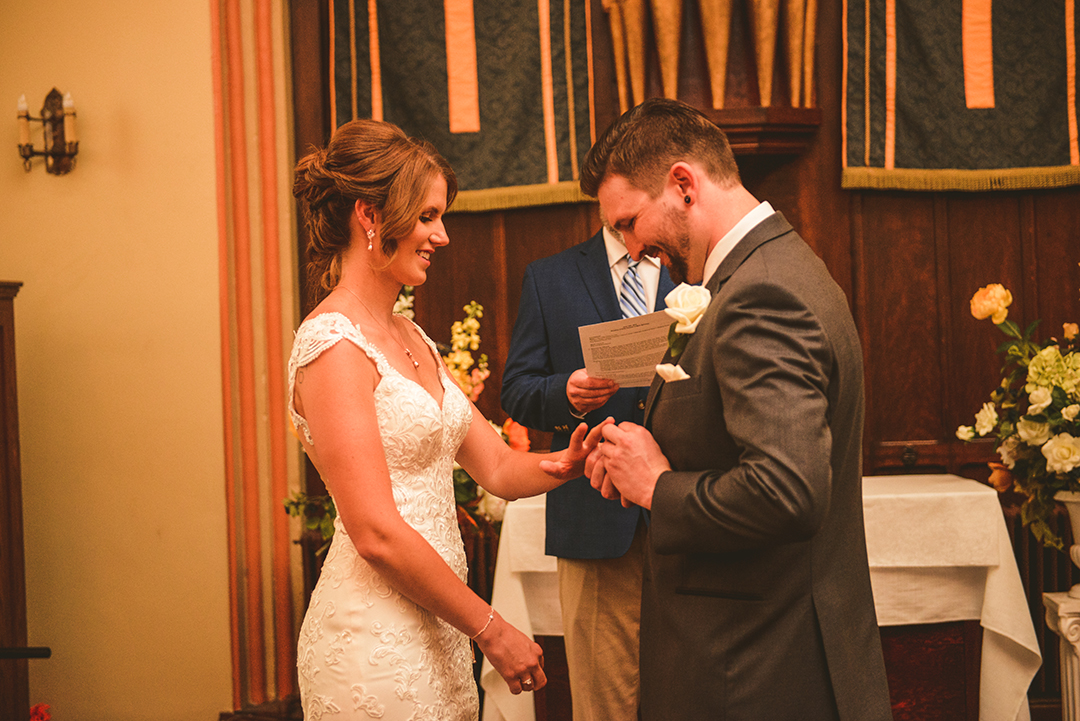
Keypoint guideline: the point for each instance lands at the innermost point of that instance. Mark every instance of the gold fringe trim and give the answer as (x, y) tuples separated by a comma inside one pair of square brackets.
[(965, 180), (519, 196)]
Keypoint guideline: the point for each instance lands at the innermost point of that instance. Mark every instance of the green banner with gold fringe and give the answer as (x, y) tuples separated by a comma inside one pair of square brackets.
[(502, 89), (960, 94)]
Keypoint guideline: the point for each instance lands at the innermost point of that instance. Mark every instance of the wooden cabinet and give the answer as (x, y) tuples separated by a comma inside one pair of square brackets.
[(14, 681)]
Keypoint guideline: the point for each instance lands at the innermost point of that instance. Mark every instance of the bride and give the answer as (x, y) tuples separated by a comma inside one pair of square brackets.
[(387, 632)]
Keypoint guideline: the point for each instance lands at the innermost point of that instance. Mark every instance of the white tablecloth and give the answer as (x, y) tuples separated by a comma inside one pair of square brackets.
[(938, 549)]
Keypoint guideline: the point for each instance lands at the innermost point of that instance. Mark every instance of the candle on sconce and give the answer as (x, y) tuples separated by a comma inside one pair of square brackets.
[(69, 119), (22, 112)]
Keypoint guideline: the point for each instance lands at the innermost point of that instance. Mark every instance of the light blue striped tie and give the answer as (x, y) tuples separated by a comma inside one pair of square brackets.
[(632, 294)]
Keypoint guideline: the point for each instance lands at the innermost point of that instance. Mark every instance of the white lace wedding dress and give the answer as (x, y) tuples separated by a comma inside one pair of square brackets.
[(365, 651)]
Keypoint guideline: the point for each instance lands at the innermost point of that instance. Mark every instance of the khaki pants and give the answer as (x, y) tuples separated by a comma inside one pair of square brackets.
[(601, 612)]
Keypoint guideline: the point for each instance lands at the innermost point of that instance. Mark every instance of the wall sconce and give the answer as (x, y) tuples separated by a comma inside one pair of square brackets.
[(58, 121)]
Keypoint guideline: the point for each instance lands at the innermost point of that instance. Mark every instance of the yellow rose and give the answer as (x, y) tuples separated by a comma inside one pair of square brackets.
[(991, 300)]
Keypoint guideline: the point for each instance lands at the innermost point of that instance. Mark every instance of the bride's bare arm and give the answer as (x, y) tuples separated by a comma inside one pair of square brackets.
[(513, 474), (336, 395)]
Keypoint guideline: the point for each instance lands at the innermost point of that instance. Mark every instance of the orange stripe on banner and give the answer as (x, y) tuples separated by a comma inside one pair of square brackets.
[(226, 347), (866, 88), (548, 90), (333, 64), (249, 472), (843, 85), (978, 46), (352, 60), (1070, 75), (284, 655), (376, 66), (588, 54), (571, 113), (890, 84), (462, 82)]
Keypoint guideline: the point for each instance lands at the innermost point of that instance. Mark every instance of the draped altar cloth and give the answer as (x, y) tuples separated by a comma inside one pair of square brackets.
[(938, 549)]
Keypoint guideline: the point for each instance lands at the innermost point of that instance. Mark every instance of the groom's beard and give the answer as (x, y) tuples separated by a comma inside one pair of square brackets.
[(675, 246)]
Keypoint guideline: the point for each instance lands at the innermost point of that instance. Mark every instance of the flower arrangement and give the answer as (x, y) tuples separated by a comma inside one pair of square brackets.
[(40, 712), (1033, 414), (318, 512), (464, 339)]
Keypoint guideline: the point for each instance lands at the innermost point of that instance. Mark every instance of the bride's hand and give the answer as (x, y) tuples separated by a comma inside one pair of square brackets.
[(571, 462), (517, 658)]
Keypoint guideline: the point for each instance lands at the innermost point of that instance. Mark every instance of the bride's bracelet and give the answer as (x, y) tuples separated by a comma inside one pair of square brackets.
[(491, 615)]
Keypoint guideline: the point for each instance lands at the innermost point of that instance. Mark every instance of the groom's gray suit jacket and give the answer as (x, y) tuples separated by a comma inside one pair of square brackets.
[(757, 602)]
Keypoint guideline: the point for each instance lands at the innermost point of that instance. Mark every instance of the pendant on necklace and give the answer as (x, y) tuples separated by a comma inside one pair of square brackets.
[(409, 353)]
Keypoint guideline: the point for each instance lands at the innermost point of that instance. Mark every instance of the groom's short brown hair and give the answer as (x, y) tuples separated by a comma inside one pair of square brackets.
[(648, 139)]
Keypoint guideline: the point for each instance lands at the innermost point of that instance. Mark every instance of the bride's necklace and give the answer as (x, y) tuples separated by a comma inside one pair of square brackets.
[(386, 328)]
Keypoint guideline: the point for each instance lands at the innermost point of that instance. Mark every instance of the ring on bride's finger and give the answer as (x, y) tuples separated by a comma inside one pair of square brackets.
[(526, 683)]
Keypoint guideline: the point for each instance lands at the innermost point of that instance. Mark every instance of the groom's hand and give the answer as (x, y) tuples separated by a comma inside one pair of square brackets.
[(630, 461)]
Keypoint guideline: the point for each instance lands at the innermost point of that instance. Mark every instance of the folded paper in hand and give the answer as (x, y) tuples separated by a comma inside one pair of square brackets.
[(626, 351)]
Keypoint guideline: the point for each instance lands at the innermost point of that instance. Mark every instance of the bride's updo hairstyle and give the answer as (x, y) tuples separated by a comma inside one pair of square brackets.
[(371, 161)]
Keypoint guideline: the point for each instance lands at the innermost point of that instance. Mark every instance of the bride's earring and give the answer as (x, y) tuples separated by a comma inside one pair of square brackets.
[(370, 236)]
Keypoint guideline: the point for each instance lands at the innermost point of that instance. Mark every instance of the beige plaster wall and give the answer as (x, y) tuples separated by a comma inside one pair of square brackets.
[(118, 354)]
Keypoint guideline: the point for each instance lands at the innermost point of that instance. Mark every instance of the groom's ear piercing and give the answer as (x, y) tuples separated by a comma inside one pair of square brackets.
[(686, 199)]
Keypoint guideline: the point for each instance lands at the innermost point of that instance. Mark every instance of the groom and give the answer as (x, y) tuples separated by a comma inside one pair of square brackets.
[(756, 601)]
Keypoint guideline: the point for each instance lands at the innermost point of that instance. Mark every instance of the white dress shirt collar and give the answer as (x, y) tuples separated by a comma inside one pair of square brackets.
[(732, 238), (616, 251), (648, 270)]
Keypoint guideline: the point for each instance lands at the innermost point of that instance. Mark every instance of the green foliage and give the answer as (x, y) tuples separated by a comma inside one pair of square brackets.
[(676, 341), (317, 512)]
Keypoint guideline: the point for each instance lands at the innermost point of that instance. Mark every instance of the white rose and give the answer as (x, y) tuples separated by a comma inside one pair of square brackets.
[(686, 304), (1032, 432), (1069, 413), (986, 419), (1062, 453), (965, 433), (671, 373), (1039, 399), (490, 506), (1009, 451)]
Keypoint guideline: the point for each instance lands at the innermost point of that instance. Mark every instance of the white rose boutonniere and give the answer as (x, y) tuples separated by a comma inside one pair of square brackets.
[(686, 304)]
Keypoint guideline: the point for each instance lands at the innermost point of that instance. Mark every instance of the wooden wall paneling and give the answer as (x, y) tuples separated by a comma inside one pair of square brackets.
[(537, 233), (468, 269), (985, 246), (901, 316), (1057, 250), (309, 35), (948, 361)]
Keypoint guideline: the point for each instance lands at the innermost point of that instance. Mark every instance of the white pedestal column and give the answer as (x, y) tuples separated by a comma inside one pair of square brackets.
[(1063, 618)]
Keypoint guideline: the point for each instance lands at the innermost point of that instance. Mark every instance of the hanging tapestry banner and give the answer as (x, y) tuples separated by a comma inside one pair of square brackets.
[(501, 88), (947, 95)]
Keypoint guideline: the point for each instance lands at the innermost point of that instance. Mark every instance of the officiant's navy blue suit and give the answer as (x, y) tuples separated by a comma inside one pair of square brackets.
[(560, 293)]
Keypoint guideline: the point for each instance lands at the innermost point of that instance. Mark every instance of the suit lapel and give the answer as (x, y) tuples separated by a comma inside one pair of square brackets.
[(772, 227), (665, 286), (596, 276), (654, 391)]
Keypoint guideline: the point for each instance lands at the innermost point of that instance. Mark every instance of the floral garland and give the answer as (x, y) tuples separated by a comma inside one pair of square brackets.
[(1033, 414)]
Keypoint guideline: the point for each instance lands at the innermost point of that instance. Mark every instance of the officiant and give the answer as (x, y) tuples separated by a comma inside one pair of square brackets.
[(598, 542)]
